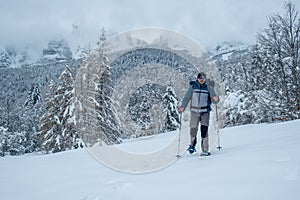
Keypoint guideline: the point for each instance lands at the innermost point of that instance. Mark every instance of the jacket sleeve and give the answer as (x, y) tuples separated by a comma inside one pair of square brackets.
[(187, 97), (212, 94)]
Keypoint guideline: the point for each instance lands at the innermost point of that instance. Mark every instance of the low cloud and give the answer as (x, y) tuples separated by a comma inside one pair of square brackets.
[(33, 23)]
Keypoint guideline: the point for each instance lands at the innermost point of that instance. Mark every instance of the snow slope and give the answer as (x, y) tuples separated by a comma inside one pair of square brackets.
[(256, 162)]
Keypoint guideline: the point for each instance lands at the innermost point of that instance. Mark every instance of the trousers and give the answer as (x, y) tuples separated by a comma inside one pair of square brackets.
[(203, 119)]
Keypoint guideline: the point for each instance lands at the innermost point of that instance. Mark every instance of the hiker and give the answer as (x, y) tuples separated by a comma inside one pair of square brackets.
[(201, 96)]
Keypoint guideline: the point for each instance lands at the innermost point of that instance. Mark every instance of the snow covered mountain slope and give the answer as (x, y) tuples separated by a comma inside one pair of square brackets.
[(225, 50), (256, 162)]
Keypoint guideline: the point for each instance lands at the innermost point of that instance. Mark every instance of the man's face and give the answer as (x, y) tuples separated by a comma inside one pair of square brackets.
[(201, 79)]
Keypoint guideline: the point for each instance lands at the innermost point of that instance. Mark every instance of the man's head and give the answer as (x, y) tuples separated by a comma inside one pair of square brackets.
[(201, 77)]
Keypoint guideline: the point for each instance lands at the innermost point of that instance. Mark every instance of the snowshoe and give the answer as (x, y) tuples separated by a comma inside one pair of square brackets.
[(205, 154), (191, 149)]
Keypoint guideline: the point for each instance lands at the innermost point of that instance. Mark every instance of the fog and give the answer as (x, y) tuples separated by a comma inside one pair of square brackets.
[(32, 23)]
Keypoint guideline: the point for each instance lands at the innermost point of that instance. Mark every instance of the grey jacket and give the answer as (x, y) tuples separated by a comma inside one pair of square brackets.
[(201, 97)]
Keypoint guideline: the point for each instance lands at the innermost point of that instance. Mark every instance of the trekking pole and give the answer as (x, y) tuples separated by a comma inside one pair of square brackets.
[(178, 150), (218, 147)]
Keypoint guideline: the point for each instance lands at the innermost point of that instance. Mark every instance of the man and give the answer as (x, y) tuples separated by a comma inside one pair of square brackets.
[(201, 96)]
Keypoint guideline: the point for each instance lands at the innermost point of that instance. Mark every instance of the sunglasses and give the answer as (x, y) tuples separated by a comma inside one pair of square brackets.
[(201, 78)]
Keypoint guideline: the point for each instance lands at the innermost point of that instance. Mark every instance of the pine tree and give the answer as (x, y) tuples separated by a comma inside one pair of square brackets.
[(102, 38), (58, 130), (5, 59), (50, 123), (94, 113), (4, 146), (87, 87), (171, 103), (34, 95), (32, 113), (106, 112)]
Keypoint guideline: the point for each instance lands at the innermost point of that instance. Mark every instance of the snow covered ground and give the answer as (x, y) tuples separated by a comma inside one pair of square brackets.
[(256, 162)]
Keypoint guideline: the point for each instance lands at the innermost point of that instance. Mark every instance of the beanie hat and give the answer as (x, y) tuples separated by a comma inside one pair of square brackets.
[(201, 74)]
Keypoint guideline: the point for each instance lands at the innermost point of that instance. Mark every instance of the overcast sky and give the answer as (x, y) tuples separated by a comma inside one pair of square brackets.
[(33, 23)]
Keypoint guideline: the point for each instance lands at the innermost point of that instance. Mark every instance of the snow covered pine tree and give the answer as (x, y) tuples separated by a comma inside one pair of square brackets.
[(171, 107), (58, 131)]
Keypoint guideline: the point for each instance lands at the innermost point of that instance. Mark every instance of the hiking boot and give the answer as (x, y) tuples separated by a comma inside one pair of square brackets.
[(191, 149)]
